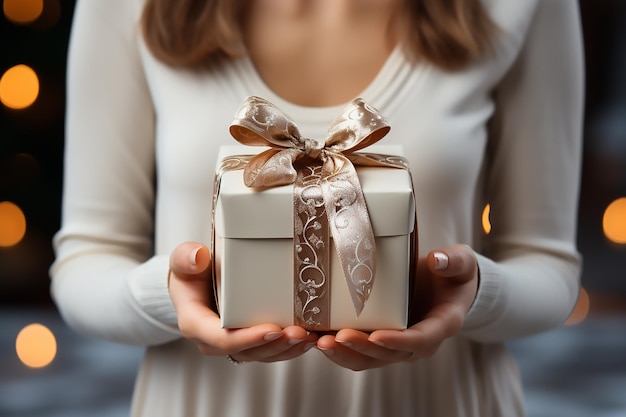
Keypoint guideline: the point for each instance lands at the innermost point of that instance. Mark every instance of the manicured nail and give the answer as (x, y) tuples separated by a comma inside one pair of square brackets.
[(294, 341), (327, 351), (441, 261), (272, 336), (378, 342), (346, 344), (193, 256)]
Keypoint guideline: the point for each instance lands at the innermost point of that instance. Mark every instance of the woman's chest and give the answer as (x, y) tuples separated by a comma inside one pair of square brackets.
[(320, 53), (441, 124)]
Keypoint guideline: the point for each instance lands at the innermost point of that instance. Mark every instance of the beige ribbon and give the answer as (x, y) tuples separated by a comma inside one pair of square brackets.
[(327, 196)]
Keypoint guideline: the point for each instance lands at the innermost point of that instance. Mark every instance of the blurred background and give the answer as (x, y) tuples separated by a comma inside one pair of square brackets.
[(48, 370)]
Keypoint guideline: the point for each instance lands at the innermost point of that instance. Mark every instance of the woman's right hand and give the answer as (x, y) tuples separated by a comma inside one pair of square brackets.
[(190, 288)]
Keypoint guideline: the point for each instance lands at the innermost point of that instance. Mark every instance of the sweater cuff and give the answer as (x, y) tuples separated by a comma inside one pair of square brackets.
[(486, 304), (148, 285)]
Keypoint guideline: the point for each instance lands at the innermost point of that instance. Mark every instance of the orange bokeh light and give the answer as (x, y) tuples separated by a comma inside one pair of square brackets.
[(486, 221), (19, 87), (614, 221), (36, 346), (12, 224), (22, 11)]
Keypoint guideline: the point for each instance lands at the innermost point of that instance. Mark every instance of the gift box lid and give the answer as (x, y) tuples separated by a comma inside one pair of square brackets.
[(243, 212)]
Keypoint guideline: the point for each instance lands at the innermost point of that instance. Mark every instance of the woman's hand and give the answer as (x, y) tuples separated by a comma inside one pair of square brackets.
[(190, 289), (447, 282)]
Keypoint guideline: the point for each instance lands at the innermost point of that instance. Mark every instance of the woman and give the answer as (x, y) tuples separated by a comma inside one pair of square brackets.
[(485, 97)]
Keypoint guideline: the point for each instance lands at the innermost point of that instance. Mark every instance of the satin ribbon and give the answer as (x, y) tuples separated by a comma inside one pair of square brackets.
[(327, 196)]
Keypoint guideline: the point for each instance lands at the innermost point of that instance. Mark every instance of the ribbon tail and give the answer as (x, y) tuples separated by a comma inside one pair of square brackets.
[(351, 229)]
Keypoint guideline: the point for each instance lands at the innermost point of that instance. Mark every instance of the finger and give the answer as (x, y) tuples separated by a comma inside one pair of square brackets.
[(188, 285), (444, 321), (345, 356), (295, 342), (457, 261), (294, 351), (189, 280), (361, 343), (214, 340), (289, 337), (189, 260)]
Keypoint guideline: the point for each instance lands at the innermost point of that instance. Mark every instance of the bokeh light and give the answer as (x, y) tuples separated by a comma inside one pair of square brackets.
[(581, 311), (19, 87), (486, 221), (614, 221), (22, 11), (36, 345), (12, 224)]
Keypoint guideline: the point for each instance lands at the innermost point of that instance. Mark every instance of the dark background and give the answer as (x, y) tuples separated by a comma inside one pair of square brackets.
[(31, 152)]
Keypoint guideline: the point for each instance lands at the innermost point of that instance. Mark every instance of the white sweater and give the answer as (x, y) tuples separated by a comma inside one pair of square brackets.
[(141, 147)]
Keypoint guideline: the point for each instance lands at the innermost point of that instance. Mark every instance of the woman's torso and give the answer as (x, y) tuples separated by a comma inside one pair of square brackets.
[(441, 121)]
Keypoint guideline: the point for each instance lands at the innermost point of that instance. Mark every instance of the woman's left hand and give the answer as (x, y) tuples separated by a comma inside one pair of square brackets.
[(446, 288)]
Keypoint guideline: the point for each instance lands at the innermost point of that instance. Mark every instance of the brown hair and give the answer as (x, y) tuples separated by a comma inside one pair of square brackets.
[(186, 33), (449, 33)]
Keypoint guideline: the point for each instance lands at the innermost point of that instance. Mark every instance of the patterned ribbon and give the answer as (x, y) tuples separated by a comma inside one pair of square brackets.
[(327, 196)]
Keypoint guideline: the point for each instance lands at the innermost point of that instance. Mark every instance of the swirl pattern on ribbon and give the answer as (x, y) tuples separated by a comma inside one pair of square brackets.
[(311, 252)]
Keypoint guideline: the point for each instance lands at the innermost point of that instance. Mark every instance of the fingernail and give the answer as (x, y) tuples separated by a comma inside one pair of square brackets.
[(308, 346), (193, 256), (378, 342), (327, 351), (272, 336), (294, 341), (441, 261), (346, 344)]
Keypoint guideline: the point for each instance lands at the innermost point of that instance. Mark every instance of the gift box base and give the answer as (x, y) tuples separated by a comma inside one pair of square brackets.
[(258, 291)]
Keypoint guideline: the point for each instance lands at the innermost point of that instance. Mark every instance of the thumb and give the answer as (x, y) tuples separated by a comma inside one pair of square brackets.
[(190, 260), (457, 261)]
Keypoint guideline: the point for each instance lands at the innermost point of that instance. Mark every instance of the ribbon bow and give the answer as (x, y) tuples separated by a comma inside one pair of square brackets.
[(327, 195)]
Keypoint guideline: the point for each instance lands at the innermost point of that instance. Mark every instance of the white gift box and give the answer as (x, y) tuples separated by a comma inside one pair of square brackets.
[(253, 251)]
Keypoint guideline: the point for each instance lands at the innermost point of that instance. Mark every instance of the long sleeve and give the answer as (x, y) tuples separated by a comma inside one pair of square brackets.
[(105, 281), (530, 271)]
